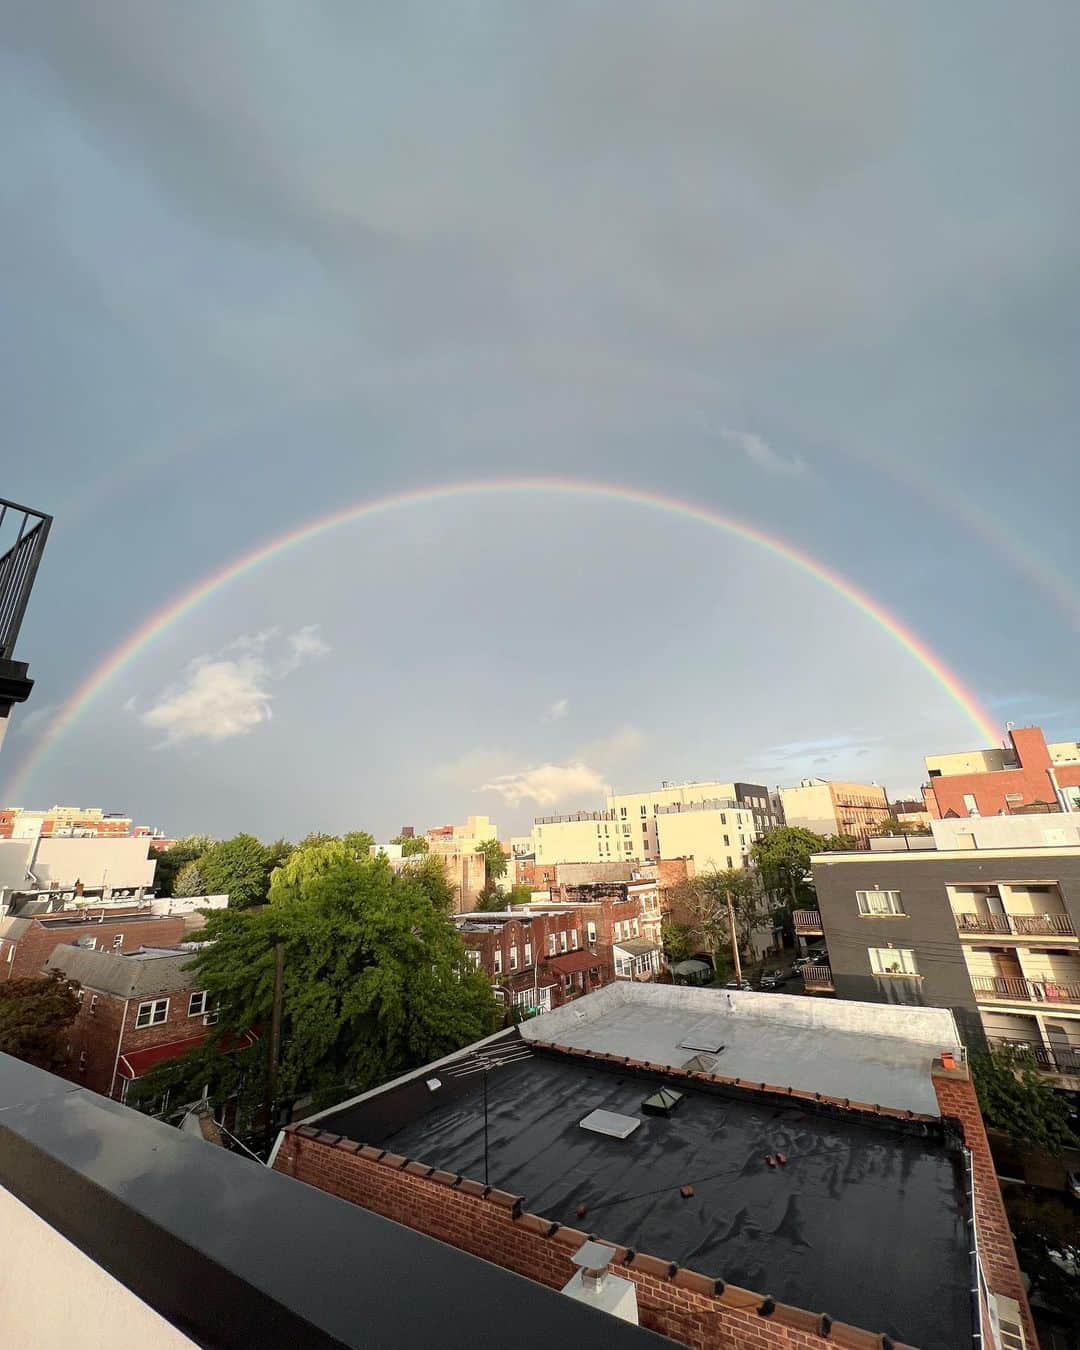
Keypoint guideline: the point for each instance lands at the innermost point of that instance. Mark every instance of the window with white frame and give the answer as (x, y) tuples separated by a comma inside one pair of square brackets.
[(636, 929), (551, 944), (563, 943), (513, 958), (472, 955), (153, 1012), (498, 960), (82, 1061), (624, 966), (528, 953), (197, 1003), (118, 942), (93, 1004), (574, 939), (892, 961), (590, 928), (879, 902), (971, 806)]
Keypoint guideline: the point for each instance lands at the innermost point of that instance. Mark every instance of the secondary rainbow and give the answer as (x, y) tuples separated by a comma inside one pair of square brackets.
[(178, 609)]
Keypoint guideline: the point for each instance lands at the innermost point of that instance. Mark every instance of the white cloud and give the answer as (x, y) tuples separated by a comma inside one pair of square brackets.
[(226, 696), (627, 740), (558, 710), (548, 784), (760, 453)]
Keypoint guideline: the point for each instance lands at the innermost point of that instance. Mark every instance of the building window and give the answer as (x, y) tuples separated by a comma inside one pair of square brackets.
[(730, 862), (727, 841), (551, 944), (644, 827), (563, 944), (590, 928), (528, 953), (636, 934), (879, 902), (197, 1004), (118, 942), (574, 939), (152, 1013), (892, 961), (513, 958), (93, 1004), (473, 956), (624, 967), (82, 1061), (498, 960), (644, 812), (971, 806), (622, 812)]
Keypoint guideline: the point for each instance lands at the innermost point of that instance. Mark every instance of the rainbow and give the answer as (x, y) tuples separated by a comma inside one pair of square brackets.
[(178, 609)]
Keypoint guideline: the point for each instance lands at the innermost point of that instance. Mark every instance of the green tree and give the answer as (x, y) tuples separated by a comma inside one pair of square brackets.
[(239, 868), (170, 862), (376, 980), (840, 843), (411, 844), (518, 895), (34, 1014), (358, 842), (705, 899), (277, 854), (1016, 1100), (890, 826), (1044, 1227), (189, 881), (494, 859), (677, 940), (782, 857)]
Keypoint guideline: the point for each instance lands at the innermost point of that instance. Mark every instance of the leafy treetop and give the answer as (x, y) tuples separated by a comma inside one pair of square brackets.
[(34, 1014)]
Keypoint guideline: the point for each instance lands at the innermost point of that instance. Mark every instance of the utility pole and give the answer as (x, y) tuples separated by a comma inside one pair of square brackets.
[(734, 939), (275, 1036)]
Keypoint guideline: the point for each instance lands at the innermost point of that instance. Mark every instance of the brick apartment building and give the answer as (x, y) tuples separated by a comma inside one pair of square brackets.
[(829, 806), (137, 1010), (622, 922), (1026, 775), (26, 943), (712, 1204), (63, 820), (536, 959)]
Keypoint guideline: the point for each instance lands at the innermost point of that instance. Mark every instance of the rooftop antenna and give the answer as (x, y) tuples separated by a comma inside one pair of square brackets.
[(484, 1065)]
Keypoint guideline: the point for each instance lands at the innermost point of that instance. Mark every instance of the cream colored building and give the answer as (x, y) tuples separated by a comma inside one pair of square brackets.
[(830, 806), (716, 834), (640, 809), (995, 759), (584, 836), (462, 838)]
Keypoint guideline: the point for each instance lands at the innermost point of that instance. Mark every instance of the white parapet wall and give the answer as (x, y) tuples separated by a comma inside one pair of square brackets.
[(932, 1027)]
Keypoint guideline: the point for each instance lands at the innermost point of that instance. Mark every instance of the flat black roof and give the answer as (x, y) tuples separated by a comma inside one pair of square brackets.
[(236, 1255), (864, 1223)]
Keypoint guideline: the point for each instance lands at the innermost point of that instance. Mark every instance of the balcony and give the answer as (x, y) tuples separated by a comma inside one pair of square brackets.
[(1015, 925), (1017, 989), (807, 923), (1064, 1059), (817, 979)]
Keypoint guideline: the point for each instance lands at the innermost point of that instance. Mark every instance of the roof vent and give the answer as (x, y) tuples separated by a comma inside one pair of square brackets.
[(662, 1102)]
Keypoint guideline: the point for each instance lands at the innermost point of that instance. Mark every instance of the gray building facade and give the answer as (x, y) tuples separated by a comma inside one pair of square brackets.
[(989, 933)]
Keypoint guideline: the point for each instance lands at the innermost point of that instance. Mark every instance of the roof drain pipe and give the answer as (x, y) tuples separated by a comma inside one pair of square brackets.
[(593, 1282)]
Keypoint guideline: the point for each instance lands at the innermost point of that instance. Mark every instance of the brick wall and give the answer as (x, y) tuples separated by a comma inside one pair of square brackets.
[(1031, 782), (39, 941), (957, 1100), (698, 1311)]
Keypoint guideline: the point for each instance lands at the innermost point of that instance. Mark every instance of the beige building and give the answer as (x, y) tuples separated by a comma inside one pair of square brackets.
[(584, 836), (462, 838), (640, 809), (828, 806), (716, 834), (465, 870), (996, 759)]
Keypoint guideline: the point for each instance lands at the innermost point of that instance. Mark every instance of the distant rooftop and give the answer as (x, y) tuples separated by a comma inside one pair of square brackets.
[(128, 975)]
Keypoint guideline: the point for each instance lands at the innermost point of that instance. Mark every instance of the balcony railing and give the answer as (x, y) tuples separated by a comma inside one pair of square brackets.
[(1062, 1059), (817, 977), (23, 533), (1016, 988), (1020, 925), (807, 921)]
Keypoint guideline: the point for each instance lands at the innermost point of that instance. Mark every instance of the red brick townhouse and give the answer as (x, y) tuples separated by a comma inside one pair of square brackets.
[(536, 959), (137, 1010), (622, 921), (1023, 776), (27, 942)]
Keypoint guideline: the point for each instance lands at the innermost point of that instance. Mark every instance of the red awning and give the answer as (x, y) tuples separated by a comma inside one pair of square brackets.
[(137, 1062), (574, 962)]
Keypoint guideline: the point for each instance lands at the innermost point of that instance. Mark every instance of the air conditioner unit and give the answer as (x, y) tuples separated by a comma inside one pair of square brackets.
[(210, 1018)]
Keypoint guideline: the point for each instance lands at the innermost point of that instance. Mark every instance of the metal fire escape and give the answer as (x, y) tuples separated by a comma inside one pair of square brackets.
[(27, 531)]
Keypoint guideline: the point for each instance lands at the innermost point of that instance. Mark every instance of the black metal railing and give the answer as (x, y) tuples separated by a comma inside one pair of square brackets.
[(806, 921), (27, 530), (1022, 925), (1020, 989), (1062, 1059)]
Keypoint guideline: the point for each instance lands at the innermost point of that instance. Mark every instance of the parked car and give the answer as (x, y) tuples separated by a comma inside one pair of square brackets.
[(739, 984), (775, 979)]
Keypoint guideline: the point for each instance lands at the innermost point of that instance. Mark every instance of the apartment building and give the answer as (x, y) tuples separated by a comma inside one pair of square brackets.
[(537, 959), (621, 922), (829, 806), (59, 871), (136, 1010), (462, 838), (1024, 775), (980, 923), (18, 822), (642, 808), (717, 834), (27, 942), (465, 869), (585, 836)]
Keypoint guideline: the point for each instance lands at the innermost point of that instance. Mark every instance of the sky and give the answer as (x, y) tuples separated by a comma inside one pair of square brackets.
[(813, 267)]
